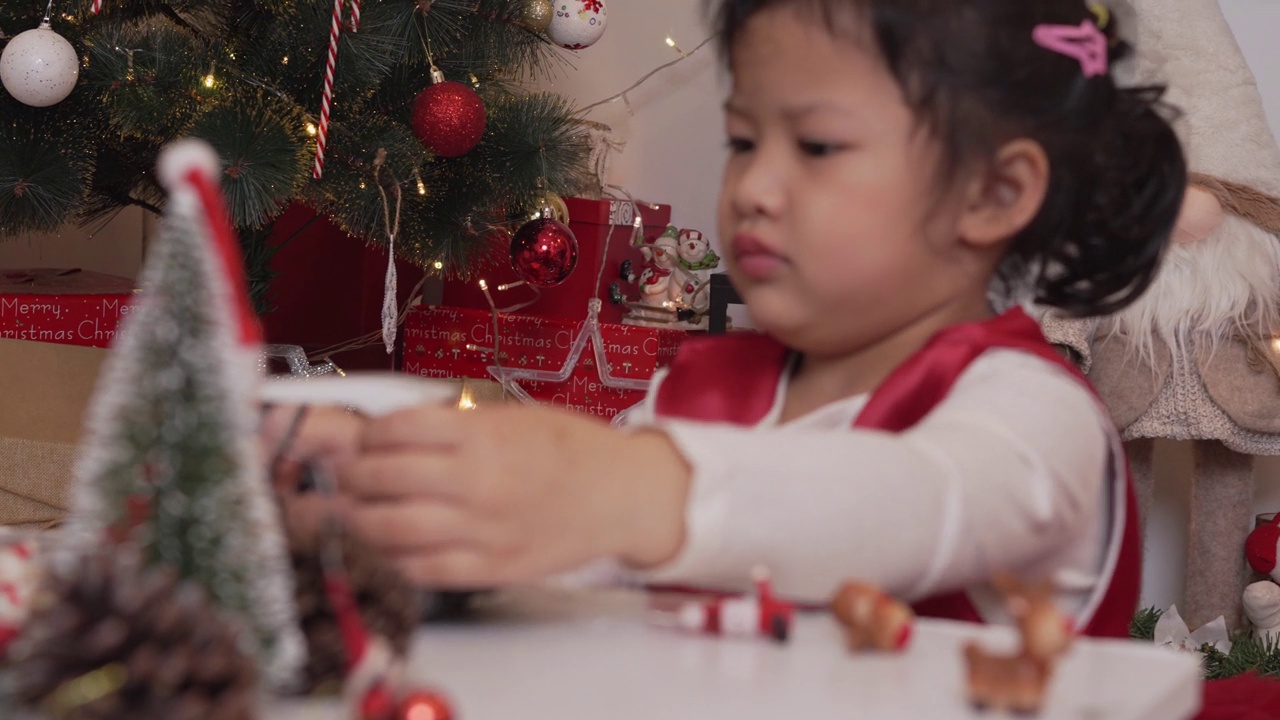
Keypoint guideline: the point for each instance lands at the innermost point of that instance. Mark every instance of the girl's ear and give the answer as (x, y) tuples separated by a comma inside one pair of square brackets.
[(1004, 195)]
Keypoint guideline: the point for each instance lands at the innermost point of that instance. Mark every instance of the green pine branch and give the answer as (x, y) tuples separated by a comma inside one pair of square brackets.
[(1248, 654), (247, 76), (1143, 624)]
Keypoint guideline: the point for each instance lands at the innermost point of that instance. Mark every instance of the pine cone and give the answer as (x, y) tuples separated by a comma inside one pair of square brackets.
[(390, 606), (180, 658)]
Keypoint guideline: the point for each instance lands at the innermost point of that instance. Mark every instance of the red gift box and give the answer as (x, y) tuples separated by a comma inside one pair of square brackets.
[(69, 307), (327, 288), (449, 342), (597, 224)]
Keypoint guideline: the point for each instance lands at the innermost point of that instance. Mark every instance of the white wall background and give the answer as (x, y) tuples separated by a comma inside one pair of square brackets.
[(673, 154)]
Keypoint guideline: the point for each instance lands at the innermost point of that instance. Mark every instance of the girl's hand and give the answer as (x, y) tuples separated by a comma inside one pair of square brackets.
[(508, 495), (327, 435)]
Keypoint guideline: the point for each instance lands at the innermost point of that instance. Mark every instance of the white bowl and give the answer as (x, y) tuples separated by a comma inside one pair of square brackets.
[(372, 393)]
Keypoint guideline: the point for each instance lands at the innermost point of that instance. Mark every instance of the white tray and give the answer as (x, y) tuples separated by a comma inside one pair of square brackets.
[(560, 655)]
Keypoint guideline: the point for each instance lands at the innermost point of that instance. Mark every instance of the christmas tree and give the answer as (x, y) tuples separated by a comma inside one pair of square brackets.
[(249, 77), (170, 462)]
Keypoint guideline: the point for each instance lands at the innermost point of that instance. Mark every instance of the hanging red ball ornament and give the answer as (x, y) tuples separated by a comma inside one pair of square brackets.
[(425, 706), (448, 117), (544, 252)]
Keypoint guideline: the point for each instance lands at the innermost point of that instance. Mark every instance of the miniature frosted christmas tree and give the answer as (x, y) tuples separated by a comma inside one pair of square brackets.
[(171, 459)]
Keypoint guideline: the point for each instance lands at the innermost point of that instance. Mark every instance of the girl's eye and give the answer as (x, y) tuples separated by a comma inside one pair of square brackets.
[(740, 145), (819, 149)]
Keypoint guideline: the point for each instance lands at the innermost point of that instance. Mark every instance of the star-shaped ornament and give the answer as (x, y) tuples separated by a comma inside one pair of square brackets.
[(588, 334)]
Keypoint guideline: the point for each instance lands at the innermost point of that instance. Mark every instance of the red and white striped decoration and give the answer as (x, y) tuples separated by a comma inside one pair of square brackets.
[(97, 6), (355, 15), (335, 31)]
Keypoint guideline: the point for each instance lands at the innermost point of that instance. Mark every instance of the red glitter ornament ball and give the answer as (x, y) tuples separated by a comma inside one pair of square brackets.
[(544, 252), (425, 706), (449, 118)]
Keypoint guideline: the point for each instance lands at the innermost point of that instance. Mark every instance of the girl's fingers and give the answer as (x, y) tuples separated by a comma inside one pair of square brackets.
[(393, 476), (426, 426), (305, 515), (294, 437), (457, 568), (411, 526), (327, 432)]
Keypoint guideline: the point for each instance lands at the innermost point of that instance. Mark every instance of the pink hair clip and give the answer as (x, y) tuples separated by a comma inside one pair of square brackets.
[(1084, 42)]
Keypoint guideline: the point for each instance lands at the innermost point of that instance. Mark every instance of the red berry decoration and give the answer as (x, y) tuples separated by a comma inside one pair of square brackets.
[(448, 117), (425, 706), (544, 252), (378, 704)]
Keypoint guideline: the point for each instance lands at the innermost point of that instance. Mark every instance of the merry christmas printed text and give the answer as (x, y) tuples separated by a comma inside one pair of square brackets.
[(86, 320), (447, 342)]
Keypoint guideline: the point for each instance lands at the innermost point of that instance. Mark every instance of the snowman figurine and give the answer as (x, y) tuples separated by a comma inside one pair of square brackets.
[(696, 262)]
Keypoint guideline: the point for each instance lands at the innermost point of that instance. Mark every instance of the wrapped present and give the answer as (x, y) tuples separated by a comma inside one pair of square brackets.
[(45, 387), (449, 342), (68, 307), (604, 229), (326, 288)]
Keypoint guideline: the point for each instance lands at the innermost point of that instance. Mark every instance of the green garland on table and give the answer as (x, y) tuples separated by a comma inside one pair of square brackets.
[(1248, 654)]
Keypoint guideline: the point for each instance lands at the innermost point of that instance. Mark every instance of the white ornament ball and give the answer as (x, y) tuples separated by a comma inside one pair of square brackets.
[(39, 67), (577, 23)]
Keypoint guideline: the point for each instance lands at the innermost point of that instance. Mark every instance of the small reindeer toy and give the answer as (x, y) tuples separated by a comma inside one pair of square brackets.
[(871, 619), (1017, 682)]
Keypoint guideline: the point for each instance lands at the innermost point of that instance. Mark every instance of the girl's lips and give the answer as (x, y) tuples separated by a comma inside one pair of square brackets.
[(755, 259)]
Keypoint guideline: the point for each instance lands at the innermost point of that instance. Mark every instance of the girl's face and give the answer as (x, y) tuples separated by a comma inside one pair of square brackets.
[(836, 230)]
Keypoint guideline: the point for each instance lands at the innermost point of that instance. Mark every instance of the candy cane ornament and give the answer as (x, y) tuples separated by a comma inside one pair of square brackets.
[(331, 63), (97, 6), (355, 15)]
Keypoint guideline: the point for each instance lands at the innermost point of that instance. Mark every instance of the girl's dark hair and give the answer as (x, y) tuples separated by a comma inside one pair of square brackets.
[(972, 74)]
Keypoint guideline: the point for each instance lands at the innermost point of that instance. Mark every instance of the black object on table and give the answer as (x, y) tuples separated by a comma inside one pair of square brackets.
[(723, 294)]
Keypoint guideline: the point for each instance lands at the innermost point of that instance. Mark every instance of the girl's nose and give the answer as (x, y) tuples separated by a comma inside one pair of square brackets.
[(758, 188)]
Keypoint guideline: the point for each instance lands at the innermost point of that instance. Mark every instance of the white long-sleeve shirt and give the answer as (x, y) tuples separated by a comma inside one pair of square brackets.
[(1010, 471)]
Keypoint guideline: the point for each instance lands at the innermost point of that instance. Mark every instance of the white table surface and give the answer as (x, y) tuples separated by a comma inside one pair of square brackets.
[(572, 655)]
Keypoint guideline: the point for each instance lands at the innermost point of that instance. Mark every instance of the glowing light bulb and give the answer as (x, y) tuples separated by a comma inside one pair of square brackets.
[(438, 265), (210, 80), (465, 402), (312, 129), (284, 60), (483, 285)]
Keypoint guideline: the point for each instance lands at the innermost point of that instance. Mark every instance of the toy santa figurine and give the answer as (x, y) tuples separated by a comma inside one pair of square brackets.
[(1195, 358), (757, 614)]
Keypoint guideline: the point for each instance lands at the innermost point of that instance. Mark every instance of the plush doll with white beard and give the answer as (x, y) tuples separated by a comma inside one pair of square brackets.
[(1196, 357)]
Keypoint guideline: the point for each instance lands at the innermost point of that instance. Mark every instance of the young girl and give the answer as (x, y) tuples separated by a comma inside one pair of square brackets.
[(891, 162)]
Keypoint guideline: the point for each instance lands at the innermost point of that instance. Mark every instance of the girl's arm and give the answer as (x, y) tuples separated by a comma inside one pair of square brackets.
[(1007, 473)]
